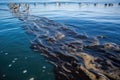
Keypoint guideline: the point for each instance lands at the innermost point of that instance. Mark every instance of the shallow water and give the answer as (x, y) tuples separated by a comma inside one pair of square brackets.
[(88, 19)]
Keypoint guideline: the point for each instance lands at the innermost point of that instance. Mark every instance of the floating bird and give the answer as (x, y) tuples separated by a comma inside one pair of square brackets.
[(26, 8), (34, 4), (119, 4), (105, 4), (45, 4), (110, 4), (95, 4), (80, 4)]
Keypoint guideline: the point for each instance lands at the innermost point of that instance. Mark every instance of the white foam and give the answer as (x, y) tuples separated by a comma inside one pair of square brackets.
[(32, 78), (6, 53), (43, 70), (15, 59), (3, 75), (26, 57), (1, 51), (44, 67), (9, 65), (24, 71)]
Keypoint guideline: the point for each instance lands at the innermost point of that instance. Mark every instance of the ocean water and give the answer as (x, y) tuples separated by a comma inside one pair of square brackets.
[(19, 62)]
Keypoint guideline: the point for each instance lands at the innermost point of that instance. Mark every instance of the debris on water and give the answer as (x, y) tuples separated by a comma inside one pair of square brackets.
[(3, 75), (100, 36), (26, 57), (59, 35), (15, 59), (32, 78), (24, 71), (43, 70), (1, 51), (6, 53), (44, 67), (9, 65)]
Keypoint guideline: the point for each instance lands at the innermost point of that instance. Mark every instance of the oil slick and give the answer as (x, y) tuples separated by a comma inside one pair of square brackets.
[(75, 56)]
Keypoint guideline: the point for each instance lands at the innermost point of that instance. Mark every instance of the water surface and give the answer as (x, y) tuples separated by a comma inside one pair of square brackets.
[(88, 19)]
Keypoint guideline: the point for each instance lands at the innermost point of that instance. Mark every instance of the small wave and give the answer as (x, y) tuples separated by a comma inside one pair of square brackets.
[(4, 9), (8, 29)]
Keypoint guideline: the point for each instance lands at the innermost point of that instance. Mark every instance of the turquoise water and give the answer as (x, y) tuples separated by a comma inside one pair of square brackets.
[(19, 62), (14, 43)]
